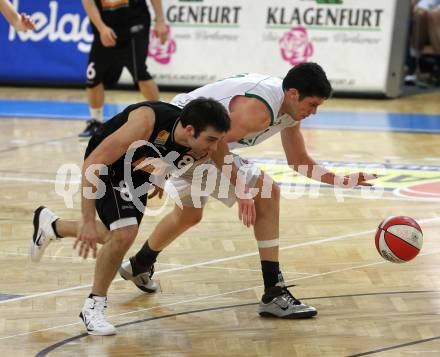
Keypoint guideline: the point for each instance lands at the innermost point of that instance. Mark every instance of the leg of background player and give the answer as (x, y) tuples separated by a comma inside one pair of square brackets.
[(149, 89), (95, 98)]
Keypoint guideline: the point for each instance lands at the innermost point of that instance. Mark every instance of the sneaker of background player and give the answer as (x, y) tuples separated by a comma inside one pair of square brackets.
[(93, 316), (92, 127), (279, 302), (44, 233), (143, 281), (410, 79)]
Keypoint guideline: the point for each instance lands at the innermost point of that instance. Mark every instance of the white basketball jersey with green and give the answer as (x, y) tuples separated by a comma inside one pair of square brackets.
[(262, 87)]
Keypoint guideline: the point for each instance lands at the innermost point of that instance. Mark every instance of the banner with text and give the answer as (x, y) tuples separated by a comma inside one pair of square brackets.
[(55, 53), (213, 39)]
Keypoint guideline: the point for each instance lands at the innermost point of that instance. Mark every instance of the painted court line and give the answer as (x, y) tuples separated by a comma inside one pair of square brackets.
[(18, 109), (257, 270), (75, 259), (205, 297), (372, 197), (214, 261), (305, 194), (209, 262), (32, 180)]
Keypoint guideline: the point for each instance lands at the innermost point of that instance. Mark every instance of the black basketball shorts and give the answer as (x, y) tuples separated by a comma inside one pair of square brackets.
[(131, 53), (118, 208)]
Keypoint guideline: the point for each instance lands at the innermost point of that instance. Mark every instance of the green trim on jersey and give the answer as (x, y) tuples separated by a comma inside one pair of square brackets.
[(272, 117), (251, 141)]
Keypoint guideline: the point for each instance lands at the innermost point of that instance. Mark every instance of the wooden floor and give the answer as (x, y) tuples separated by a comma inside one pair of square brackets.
[(210, 281)]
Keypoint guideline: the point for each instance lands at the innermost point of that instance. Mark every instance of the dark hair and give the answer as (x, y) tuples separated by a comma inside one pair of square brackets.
[(203, 112), (309, 80)]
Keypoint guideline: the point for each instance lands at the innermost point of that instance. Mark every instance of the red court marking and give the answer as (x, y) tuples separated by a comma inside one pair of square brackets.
[(421, 190)]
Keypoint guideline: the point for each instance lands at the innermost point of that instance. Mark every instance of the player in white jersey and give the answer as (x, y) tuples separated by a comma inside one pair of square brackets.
[(259, 106), (268, 90), (263, 90)]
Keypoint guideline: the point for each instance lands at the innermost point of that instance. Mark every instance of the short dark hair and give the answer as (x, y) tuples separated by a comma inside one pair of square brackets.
[(203, 112), (309, 80)]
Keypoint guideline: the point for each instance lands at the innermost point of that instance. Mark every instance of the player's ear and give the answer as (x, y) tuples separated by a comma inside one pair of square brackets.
[(293, 94), (189, 130)]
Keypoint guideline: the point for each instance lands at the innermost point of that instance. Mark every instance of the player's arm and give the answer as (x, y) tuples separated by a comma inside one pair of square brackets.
[(21, 22), (108, 36), (299, 160), (246, 206), (159, 22), (138, 127), (251, 116)]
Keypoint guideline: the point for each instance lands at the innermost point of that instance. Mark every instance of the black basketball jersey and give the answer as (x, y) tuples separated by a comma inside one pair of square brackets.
[(160, 144), (123, 16)]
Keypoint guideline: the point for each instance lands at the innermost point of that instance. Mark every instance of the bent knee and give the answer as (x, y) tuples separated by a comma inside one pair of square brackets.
[(124, 237), (188, 216)]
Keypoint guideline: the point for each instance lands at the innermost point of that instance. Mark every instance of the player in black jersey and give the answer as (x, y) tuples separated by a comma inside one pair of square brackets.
[(123, 155), (121, 30)]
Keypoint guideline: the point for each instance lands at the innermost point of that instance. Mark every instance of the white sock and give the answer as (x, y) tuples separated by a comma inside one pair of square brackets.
[(96, 113)]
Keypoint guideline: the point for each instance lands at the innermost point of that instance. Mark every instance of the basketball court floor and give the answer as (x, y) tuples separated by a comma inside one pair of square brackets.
[(210, 279)]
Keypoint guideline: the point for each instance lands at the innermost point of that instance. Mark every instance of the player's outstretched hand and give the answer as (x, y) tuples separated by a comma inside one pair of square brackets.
[(359, 179), (87, 238), (246, 211)]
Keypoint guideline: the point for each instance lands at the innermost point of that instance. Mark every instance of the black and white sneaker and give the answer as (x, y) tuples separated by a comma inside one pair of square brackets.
[(92, 127), (43, 232), (143, 281), (93, 316), (279, 302)]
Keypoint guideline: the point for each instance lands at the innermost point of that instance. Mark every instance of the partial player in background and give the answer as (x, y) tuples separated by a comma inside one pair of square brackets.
[(121, 33), (260, 106), (424, 31), (20, 22)]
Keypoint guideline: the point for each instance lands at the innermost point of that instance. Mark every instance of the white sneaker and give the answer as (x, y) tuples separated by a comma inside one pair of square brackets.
[(93, 316), (43, 232)]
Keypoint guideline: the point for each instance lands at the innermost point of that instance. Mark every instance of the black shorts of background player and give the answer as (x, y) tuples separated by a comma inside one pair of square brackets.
[(121, 35)]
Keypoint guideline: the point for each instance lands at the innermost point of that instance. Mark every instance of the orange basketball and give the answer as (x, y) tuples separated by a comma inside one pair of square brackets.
[(399, 239)]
